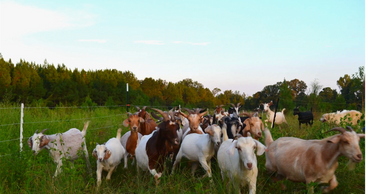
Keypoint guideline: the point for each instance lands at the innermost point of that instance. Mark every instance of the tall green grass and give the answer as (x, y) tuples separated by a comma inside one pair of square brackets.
[(23, 172)]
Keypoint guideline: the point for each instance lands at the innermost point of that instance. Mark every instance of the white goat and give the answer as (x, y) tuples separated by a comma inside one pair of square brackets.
[(237, 159), (312, 160), (108, 156), (61, 145), (280, 117), (200, 148)]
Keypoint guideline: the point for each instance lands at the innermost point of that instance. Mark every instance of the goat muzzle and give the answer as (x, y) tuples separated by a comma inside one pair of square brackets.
[(357, 158), (249, 165)]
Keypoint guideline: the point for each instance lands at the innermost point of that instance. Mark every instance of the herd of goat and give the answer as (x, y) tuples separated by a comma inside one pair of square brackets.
[(230, 138)]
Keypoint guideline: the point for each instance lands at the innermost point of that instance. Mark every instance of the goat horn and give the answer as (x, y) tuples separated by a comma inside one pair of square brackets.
[(36, 131), (129, 114), (144, 107), (233, 105), (43, 131), (156, 116), (238, 104), (200, 115), (171, 113), (190, 111), (138, 109), (165, 116), (183, 114), (340, 129), (350, 129)]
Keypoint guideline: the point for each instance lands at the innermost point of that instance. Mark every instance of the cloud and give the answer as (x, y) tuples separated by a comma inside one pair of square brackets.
[(26, 19), (155, 42), (93, 40), (201, 43), (192, 43)]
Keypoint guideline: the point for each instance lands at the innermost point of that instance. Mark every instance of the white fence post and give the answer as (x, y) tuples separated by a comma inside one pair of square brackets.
[(21, 128)]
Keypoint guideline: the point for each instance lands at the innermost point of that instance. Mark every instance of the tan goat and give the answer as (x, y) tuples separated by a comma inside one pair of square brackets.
[(311, 160), (352, 117)]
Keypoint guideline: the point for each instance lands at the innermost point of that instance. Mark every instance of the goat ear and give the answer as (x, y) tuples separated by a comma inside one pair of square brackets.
[(232, 148), (141, 120), (361, 135), (43, 141), (94, 153), (247, 125), (126, 123), (209, 131), (260, 148), (107, 155), (335, 139)]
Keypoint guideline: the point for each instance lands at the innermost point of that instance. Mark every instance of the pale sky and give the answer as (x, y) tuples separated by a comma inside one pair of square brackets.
[(233, 45)]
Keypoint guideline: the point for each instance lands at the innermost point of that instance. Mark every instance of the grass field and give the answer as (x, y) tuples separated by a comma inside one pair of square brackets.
[(23, 172)]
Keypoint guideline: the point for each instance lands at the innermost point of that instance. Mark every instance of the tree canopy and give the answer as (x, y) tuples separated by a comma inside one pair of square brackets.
[(29, 82)]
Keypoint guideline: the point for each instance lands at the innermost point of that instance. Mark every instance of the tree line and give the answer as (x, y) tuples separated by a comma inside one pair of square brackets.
[(49, 85)]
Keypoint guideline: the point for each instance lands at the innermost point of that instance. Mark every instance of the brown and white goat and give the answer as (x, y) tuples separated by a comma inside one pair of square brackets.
[(253, 125), (194, 118), (311, 160), (108, 156), (131, 138), (152, 150)]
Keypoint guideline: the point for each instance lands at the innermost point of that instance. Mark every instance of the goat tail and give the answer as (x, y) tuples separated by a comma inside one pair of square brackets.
[(85, 128), (283, 110), (118, 134), (268, 137)]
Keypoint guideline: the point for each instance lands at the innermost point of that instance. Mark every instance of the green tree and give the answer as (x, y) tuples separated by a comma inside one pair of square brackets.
[(286, 96), (5, 78)]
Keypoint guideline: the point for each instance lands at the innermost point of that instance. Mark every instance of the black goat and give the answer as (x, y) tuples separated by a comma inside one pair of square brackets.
[(304, 117)]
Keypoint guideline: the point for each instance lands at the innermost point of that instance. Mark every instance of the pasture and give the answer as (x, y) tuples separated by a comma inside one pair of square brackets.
[(23, 172)]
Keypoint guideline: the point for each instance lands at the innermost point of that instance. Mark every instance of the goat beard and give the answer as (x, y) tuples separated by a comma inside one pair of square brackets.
[(351, 165)]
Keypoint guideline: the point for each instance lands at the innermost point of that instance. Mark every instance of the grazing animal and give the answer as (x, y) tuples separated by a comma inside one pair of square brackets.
[(311, 160), (147, 125), (252, 125), (304, 117), (61, 145), (280, 117), (200, 148), (237, 160), (194, 118), (152, 149), (108, 156), (232, 126), (353, 117), (143, 113), (130, 139), (234, 110), (219, 113)]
